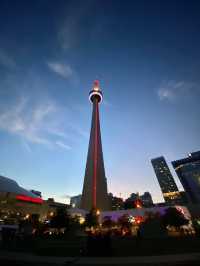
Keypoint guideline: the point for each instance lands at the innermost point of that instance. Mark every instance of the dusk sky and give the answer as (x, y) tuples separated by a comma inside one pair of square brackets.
[(146, 55)]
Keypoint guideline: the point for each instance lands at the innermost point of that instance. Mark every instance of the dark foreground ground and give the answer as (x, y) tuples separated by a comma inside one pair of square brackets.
[(116, 251), (167, 260), (113, 247)]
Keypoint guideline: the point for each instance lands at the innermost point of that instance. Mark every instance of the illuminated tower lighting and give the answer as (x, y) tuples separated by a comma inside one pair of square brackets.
[(94, 193)]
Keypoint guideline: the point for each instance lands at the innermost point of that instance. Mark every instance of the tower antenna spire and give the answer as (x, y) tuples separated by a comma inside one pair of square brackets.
[(95, 193)]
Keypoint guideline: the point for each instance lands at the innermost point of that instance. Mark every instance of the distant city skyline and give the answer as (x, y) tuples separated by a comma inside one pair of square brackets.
[(147, 58)]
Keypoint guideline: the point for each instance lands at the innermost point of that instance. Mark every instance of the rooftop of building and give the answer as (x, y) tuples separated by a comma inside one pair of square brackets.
[(160, 158), (9, 185), (192, 157)]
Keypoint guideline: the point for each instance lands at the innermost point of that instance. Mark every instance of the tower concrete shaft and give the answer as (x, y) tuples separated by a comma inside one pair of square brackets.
[(94, 193)]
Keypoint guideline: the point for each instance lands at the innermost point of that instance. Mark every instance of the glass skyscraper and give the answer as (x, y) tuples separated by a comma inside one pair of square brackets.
[(188, 171), (166, 181)]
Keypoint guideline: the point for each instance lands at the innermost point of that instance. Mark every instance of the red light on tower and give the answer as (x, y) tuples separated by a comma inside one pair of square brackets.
[(96, 83), (96, 86)]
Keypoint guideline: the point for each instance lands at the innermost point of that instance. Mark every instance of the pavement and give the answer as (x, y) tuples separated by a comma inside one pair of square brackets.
[(21, 259)]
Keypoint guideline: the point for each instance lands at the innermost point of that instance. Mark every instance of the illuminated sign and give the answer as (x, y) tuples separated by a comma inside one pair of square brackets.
[(29, 199)]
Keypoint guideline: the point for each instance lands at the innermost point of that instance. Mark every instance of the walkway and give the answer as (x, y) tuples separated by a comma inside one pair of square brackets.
[(16, 258)]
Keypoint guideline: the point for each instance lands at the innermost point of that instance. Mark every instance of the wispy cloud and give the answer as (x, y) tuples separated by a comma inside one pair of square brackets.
[(62, 145), (78, 130), (34, 124), (26, 146), (67, 35), (6, 60), (27, 125), (70, 31), (57, 132), (107, 103), (171, 90), (43, 123), (63, 70)]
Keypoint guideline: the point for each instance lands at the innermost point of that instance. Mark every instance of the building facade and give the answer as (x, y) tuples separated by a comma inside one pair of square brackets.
[(17, 203), (116, 203), (188, 171), (130, 202), (138, 201), (75, 201), (166, 181), (94, 194), (146, 199)]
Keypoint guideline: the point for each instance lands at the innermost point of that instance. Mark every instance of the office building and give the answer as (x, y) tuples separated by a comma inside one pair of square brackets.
[(116, 203), (188, 171), (75, 201), (166, 181), (146, 200)]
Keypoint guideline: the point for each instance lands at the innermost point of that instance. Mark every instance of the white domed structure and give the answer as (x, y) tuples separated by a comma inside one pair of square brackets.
[(8, 185)]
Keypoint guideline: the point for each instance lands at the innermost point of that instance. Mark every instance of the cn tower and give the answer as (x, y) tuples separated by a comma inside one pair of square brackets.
[(94, 194)]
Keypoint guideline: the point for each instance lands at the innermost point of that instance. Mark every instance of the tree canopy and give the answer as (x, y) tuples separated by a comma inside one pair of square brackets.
[(174, 217)]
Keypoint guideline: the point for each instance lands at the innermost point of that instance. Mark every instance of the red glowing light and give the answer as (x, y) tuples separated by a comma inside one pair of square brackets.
[(138, 203), (96, 83), (138, 219), (29, 199)]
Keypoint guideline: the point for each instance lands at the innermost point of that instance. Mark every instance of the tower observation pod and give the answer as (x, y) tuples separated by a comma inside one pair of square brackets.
[(94, 194)]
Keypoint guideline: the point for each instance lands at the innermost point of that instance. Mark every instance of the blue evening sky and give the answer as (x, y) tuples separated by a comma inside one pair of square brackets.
[(146, 55)]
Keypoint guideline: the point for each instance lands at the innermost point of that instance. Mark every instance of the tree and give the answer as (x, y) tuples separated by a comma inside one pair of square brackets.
[(61, 219), (129, 204), (124, 221), (107, 222), (152, 227), (196, 227), (91, 218), (174, 217)]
